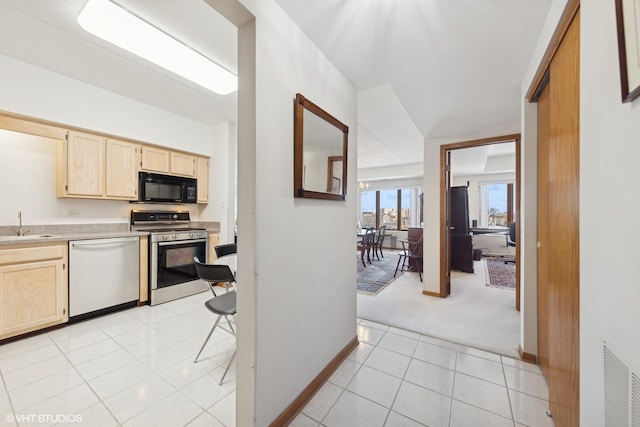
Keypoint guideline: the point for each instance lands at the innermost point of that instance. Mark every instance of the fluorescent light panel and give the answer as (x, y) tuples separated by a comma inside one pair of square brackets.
[(115, 25)]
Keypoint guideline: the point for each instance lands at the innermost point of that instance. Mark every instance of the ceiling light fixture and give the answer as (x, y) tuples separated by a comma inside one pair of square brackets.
[(116, 25)]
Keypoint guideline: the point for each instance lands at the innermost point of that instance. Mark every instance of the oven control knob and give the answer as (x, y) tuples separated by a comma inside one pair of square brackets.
[(165, 237), (175, 237)]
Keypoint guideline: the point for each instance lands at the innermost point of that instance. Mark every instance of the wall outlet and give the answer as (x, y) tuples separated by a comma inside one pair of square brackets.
[(73, 212)]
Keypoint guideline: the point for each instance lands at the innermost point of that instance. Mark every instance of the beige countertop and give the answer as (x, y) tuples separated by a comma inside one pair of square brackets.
[(42, 234), (51, 238)]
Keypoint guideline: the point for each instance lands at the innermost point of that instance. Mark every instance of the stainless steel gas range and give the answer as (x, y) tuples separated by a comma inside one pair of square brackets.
[(172, 245)]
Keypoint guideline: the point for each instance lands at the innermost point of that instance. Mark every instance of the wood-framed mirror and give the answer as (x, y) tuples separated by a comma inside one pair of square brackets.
[(320, 153)]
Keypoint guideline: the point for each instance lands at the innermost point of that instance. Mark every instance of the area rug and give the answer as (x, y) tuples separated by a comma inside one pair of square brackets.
[(377, 275), (499, 274)]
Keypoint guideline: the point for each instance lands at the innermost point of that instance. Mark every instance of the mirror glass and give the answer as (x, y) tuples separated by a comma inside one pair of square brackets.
[(320, 153)]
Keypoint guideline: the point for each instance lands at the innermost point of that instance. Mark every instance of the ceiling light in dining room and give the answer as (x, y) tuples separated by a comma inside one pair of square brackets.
[(112, 23)]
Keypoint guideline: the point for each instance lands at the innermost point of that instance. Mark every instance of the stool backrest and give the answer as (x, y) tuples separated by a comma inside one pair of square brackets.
[(212, 273), (230, 248)]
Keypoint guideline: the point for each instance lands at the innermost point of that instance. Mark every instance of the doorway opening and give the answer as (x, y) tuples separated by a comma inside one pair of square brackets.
[(494, 214), (407, 305)]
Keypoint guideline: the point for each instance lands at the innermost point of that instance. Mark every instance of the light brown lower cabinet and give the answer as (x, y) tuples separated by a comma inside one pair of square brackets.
[(144, 272), (214, 238), (33, 288)]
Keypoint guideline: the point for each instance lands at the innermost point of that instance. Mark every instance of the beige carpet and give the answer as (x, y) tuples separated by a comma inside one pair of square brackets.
[(474, 314), (493, 244)]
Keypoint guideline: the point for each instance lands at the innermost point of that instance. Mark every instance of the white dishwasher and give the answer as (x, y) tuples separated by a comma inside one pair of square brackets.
[(104, 275)]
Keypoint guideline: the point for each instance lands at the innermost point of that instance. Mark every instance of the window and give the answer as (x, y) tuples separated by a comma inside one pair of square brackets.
[(368, 209), (396, 209), (497, 204), (388, 209)]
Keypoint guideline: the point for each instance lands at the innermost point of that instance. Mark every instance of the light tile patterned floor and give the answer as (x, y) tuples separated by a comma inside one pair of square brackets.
[(400, 378), (131, 368), (135, 368)]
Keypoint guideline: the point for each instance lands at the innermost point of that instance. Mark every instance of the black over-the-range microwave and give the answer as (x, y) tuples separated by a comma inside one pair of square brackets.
[(158, 188)]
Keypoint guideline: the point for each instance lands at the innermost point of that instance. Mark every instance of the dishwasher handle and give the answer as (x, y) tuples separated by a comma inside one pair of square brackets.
[(102, 242)]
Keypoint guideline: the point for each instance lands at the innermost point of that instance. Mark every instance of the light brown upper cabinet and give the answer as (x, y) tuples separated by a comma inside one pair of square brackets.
[(91, 166), (122, 170), (81, 165), (155, 159), (161, 160), (202, 175), (182, 164)]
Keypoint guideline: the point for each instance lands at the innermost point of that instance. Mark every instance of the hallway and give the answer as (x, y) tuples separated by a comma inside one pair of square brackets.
[(399, 378)]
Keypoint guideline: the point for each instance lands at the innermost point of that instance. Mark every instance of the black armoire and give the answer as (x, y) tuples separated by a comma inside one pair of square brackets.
[(461, 241)]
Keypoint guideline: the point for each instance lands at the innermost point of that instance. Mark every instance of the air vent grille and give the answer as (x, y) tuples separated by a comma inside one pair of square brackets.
[(616, 390), (635, 401), (621, 388)]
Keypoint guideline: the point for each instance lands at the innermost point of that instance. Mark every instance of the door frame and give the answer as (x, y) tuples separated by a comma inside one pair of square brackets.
[(444, 197)]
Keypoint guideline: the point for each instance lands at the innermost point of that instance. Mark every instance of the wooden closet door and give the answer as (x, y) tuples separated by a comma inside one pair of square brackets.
[(558, 232)]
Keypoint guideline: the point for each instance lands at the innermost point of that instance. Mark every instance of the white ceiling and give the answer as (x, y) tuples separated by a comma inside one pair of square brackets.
[(423, 68), (487, 159), (45, 33)]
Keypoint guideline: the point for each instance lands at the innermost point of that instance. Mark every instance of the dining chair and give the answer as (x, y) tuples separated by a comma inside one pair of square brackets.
[(377, 244), (409, 257), (365, 245), (511, 241), (227, 249), (221, 305)]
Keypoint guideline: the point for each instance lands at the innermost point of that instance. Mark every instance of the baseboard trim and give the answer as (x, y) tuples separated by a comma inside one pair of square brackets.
[(431, 293), (294, 408), (527, 357)]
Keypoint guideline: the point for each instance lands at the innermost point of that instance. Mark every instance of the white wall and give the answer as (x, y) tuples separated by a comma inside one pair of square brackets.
[(529, 228), (36, 92), (394, 183), (528, 189), (42, 94), (302, 279), (222, 170), (609, 206), (431, 233), (406, 171)]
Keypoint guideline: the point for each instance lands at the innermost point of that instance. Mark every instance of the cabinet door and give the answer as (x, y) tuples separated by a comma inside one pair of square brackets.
[(32, 293), (155, 159), (182, 164), (144, 268), (122, 170), (84, 164), (202, 175), (214, 238)]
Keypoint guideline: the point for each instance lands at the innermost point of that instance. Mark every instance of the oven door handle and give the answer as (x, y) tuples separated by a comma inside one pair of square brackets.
[(181, 242)]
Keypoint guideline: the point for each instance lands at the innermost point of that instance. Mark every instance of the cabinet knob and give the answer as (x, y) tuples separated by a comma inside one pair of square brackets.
[(538, 245)]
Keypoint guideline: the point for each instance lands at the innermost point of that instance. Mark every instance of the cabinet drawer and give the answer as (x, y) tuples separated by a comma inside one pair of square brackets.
[(32, 254)]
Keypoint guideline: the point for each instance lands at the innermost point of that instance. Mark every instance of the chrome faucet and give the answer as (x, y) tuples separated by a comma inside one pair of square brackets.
[(20, 230)]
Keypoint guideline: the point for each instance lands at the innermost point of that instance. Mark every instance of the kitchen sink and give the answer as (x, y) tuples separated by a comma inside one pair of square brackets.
[(27, 236)]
